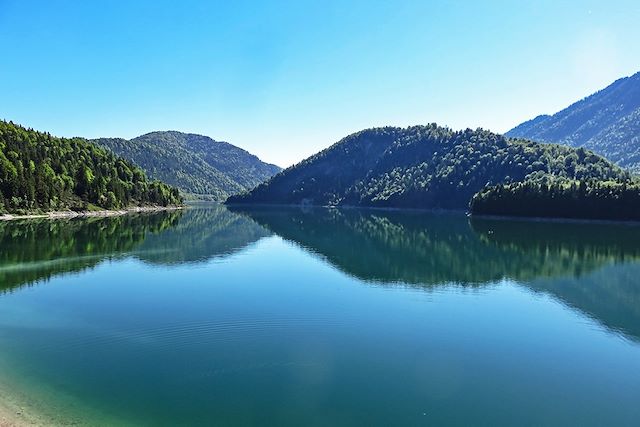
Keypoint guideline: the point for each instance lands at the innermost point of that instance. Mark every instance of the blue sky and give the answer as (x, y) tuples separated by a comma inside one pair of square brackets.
[(286, 79)]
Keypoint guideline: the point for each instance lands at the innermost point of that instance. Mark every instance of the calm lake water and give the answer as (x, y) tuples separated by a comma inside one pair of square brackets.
[(287, 317)]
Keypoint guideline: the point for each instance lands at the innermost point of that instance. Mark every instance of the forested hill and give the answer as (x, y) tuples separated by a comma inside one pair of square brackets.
[(423, 167), (607, 122), (40, 172), (196, 164)]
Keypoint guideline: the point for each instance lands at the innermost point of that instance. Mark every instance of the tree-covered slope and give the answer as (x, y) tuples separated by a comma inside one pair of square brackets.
[(423, 167), (40, 172), (196, 164), (607, 122)]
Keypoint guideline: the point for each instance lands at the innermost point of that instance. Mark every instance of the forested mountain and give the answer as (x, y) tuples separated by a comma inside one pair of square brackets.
[(424, 167), (196, 164), (40, 172), (607, 122)]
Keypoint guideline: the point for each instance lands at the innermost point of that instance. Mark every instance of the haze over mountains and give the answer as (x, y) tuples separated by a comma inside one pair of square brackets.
[(196, 164), (607, 122)]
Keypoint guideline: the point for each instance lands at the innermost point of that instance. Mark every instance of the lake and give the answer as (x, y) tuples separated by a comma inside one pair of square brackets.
[(289, 317)]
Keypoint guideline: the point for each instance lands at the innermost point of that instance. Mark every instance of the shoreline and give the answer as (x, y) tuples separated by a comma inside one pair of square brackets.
[(560, 220), (458, 212), (16, 411), (89, 214)]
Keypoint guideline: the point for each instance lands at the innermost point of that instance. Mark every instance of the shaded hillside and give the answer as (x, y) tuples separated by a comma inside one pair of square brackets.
[(422, 167), (607, 122), (196, 164), (39, 172)]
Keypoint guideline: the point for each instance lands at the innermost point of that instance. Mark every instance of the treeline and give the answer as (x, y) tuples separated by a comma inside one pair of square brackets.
[(558, 198), (40, 172)]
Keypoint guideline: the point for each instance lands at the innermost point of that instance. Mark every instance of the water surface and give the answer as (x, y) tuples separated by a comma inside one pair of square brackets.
[(321, 317)]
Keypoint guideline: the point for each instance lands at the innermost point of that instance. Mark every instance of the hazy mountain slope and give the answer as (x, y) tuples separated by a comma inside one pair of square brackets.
[(194, 163), (40, 172), (422, 167), (607, 122)]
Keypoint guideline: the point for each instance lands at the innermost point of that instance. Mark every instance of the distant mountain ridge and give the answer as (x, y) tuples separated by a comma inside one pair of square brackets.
[(196, 164), (607, 122), (423, 167)]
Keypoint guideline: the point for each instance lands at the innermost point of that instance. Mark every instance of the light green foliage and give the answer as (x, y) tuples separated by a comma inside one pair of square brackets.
[(39, 173)]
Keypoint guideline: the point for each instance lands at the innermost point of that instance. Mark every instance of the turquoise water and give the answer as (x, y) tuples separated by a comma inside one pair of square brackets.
[(322, 317)]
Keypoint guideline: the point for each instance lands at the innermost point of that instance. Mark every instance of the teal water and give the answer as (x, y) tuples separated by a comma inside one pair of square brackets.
[(287, 317)]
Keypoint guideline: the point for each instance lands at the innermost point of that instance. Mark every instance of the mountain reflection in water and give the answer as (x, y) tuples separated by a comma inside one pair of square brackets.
[(593, 268)]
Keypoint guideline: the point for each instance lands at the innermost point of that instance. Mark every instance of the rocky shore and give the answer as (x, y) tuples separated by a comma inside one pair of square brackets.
[(100, 213)]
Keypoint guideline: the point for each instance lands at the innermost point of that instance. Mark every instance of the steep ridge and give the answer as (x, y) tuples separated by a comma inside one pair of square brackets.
[(607, 122)]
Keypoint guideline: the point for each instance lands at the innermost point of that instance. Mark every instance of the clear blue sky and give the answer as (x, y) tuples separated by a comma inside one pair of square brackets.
[(286, 79)]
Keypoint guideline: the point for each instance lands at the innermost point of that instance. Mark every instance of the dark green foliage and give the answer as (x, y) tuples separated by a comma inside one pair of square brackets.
[(196, 164), (607, 122), (423, 167), (557, 198), (39, 172)]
